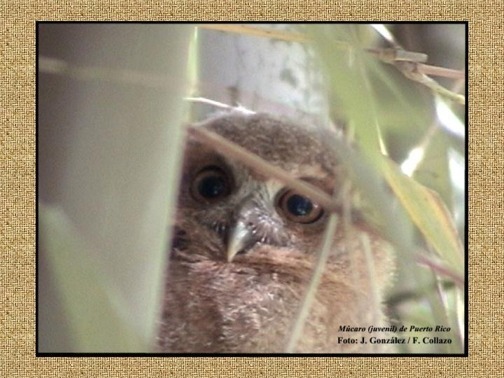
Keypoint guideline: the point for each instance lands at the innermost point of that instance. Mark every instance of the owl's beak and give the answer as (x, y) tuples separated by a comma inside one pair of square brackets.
[(240, 238)]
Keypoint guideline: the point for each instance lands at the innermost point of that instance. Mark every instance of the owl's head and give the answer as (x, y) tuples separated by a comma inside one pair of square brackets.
[(245, 245), (245, 209)]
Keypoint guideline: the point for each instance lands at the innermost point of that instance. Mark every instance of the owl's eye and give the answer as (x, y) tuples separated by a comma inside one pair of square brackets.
[(210, 184), (298, 208)]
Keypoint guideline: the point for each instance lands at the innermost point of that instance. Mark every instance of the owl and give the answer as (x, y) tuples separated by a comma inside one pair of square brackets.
[(245, 247)]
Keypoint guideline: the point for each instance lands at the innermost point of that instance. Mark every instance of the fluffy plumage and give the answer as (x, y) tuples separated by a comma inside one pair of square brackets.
[(244, 249)]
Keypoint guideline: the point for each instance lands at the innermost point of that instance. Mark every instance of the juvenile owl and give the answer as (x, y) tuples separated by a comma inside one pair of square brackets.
[(245, 247)]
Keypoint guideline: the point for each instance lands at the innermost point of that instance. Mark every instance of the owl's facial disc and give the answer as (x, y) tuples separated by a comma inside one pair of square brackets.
[(247, 210), (264, 215)]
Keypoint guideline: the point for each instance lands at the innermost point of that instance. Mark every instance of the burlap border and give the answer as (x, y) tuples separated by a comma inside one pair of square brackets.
[(17, 172)]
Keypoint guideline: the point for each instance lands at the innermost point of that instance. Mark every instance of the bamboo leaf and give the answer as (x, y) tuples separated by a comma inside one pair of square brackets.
[(88, 299), (429, 214)]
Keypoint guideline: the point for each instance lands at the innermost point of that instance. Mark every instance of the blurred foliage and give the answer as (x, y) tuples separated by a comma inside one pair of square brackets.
[(86, 296), (385, 112)]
